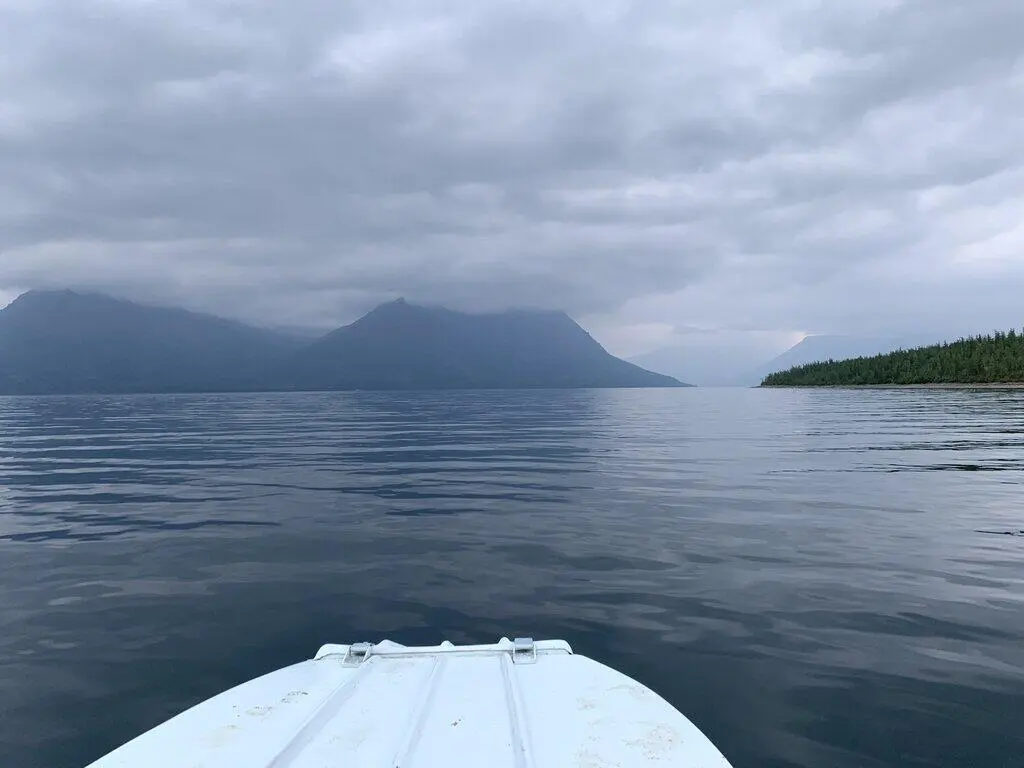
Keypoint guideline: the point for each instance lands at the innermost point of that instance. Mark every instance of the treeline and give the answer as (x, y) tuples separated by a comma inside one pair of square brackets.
[(993, 359)]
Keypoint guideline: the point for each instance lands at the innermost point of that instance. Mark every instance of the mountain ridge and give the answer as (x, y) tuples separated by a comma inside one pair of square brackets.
[(65, 342), (58, 342), (405, 346)]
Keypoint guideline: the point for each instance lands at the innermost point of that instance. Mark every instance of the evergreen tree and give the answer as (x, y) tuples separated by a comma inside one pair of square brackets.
[(997, 358)]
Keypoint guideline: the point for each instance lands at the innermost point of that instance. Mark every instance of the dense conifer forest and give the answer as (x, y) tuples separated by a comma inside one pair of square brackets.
[(993, 359)]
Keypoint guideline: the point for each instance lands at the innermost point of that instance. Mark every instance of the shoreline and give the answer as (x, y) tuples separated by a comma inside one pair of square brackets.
[(937, 385)]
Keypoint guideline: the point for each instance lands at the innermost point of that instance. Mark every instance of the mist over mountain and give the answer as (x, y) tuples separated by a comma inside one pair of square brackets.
[(61, 342), (705, 365), (734, 364), (56, 342), (404, 346), (820, 348)]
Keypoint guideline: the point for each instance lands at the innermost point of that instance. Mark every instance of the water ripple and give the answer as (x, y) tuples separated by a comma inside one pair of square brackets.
[(816, 577)]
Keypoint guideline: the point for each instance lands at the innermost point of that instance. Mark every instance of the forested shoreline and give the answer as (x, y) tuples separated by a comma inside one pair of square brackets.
[(997, 358)]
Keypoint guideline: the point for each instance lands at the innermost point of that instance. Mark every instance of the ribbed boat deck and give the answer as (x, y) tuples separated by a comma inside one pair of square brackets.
[(508, 705)]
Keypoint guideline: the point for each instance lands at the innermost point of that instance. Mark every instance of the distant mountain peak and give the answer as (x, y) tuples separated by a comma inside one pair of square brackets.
[(63, 293), (399, 345), (390, 312), (43, 299), (816, 348), (402, 304), (65, 296), (66, 342), (44, 294)]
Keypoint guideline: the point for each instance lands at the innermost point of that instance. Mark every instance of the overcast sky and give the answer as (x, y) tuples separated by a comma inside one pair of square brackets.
[(721, 170)]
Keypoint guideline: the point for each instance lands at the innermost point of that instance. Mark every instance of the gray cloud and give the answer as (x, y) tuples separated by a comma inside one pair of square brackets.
[(652, 167)]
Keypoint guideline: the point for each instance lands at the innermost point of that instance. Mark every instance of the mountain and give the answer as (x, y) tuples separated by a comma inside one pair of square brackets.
[(62, 342), (404, 346), (66, 342), (724, 360), (821, 348), (993, 359), (706, 365)]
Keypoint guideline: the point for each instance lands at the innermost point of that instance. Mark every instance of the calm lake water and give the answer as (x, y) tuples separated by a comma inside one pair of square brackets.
[(817, 578)]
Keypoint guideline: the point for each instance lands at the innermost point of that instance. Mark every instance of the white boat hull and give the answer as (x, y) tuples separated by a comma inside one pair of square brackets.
[(506, 705)]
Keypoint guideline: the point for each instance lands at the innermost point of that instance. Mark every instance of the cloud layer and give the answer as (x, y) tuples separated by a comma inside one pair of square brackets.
[(655, 168)]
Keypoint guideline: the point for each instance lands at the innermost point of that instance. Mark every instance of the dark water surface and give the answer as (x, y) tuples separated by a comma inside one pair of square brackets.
[(817, 578)]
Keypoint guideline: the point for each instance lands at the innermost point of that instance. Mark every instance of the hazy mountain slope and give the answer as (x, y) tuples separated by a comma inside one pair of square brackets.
[(815, 349), (67, 342), (64, 342), (402, 346)]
